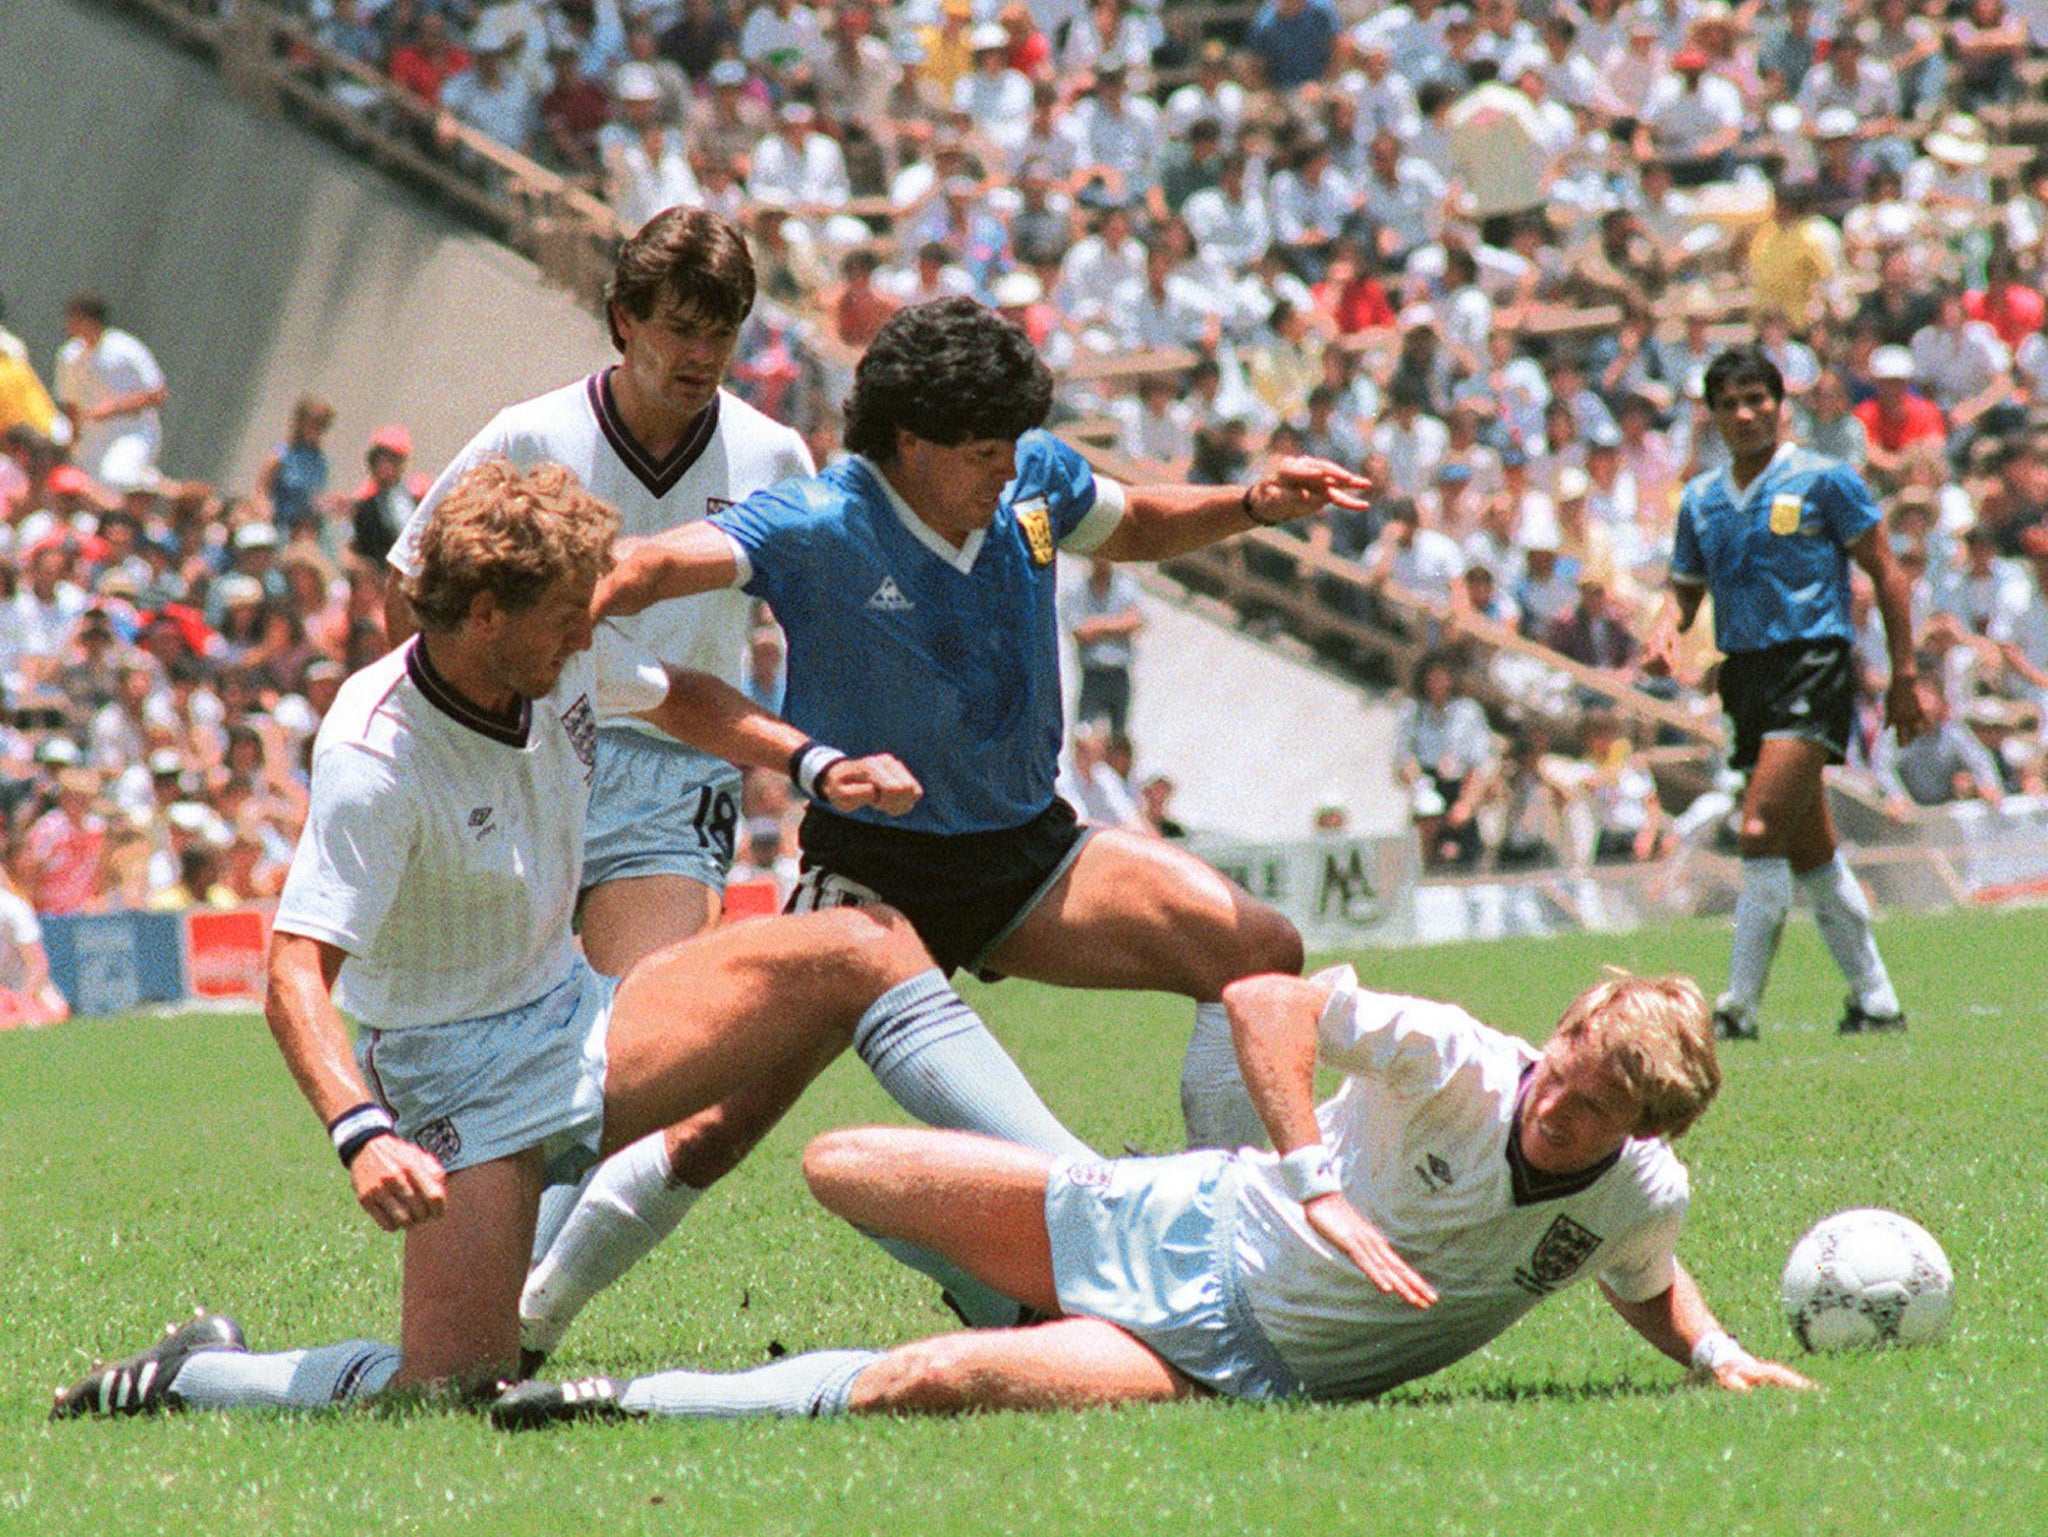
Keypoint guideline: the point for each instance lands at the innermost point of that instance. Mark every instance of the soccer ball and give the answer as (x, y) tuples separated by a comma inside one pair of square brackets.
[(1867, 1277)]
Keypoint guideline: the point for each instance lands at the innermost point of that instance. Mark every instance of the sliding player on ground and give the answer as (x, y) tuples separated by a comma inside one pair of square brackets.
[(1456, 1179)]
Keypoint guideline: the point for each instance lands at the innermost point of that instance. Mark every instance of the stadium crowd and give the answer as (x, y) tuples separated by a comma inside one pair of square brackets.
[(1483, 252)]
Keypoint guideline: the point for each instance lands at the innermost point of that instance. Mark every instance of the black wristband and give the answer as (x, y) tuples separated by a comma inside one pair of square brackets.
[(357, 1127), (1245, 506)]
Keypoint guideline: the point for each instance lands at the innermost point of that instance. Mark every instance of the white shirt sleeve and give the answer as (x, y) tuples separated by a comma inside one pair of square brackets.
[(629, 680), (1644, 1263), (351, 859), (1384, 1034)]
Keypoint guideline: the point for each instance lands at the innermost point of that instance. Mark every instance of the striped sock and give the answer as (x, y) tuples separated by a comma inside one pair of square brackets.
[(817, 1383), (286, 1379), (936, 1059)]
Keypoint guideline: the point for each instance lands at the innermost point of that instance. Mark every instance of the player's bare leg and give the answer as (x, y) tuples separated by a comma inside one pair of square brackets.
[(1071, 1363), (459, 1319), (589, 1235), (625, 921), (752, 1014), (1134, 912), (976, 1201)]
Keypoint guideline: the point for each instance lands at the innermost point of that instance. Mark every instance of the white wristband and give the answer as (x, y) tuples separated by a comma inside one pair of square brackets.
[(1716, 1349), (357, 1127), (808, 764), (1309, 1172)]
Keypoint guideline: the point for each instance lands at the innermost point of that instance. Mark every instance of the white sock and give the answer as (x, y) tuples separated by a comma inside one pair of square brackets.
[(286, 1379), (936, 1059), (629, 1206), (556, 1202), (1760, 911), (1213, 1099), (819, 1382), (1843, 913)]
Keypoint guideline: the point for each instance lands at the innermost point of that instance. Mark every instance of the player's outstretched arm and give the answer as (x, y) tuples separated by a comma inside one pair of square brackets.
[(1163, 521), (713, 716), (684, 561), (1678, 1322), (1273, 1025), (398, 1183)]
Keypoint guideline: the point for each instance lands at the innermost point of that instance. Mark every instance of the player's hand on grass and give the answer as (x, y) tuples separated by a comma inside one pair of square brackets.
[(1296, 486), (876, 783), (1740, 1376), (399, 1183), (1346, 1229)]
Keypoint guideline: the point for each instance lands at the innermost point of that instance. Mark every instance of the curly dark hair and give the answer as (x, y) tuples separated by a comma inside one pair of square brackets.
[(949, 372)]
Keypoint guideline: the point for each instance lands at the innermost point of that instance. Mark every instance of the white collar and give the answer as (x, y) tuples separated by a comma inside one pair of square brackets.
[(961, 560), (1741, 493)]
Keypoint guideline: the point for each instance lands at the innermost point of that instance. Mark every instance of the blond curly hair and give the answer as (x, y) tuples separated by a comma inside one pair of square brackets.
[(510, 532)]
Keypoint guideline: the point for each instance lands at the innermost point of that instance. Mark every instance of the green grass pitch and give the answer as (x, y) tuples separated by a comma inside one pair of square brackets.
[(148, 1165)]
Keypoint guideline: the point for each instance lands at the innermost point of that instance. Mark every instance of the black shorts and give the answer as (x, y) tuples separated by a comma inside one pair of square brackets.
[(1804, 689), (963, 892)]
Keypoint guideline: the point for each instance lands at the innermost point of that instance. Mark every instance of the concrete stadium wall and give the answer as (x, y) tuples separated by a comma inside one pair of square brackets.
[(256, 261)]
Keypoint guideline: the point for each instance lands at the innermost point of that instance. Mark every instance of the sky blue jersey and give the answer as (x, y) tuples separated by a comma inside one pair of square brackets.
[(899, 643), (1776, 555)]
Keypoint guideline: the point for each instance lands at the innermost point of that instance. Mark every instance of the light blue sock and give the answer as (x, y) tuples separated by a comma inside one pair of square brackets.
[(1843, 913), (980, 1305), (1214, 1102), (936, 1059), (817, 1383), (1760, 909), (286, 1379)]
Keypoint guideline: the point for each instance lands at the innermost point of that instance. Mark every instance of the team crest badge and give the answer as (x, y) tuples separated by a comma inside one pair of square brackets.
[(1785, 511), (1562, 1249), (580, 721), (1035, 519), (440, 1138)]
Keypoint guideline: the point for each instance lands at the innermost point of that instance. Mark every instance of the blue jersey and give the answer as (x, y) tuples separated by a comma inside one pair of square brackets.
[(899, 643), (1775, 556)]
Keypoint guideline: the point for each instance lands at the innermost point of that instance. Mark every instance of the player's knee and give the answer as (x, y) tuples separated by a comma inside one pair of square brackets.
[(838, 1163), (1271, 943), (874, 947)]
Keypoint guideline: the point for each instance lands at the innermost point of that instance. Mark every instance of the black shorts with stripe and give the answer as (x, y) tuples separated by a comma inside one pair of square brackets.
[(964, 893), (1804, 689)]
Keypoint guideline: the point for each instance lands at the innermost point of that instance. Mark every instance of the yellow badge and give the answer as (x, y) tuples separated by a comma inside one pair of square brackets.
[(1035, 519), (1785, 512)]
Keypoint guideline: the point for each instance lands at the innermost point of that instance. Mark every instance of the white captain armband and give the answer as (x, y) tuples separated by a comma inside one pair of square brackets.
[(357, 1127), (807, 766), (1309, 1172)]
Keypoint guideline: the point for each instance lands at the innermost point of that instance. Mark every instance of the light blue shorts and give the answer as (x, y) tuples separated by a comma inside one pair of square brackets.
[(477, 1089), (1150, 1245), (658, 808)]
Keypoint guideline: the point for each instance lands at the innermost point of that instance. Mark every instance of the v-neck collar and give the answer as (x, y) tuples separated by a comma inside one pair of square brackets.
[(659, 476), (1741, 493), (442, 695), (1530, 1184), (961, 560)]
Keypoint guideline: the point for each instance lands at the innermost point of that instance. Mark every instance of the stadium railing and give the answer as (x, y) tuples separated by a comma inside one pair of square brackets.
[(274, 62)]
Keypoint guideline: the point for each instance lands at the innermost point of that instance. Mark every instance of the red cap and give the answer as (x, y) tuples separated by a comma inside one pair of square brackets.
[(69, 480), (393, 439), (1690, 59)]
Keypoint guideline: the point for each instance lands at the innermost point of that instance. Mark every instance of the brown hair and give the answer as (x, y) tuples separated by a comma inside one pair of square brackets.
[(510, 532), (687, 255)]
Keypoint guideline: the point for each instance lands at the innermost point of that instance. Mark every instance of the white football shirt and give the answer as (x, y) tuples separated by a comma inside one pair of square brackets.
[(443, 850), (736, 452), (1420, 1131)]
